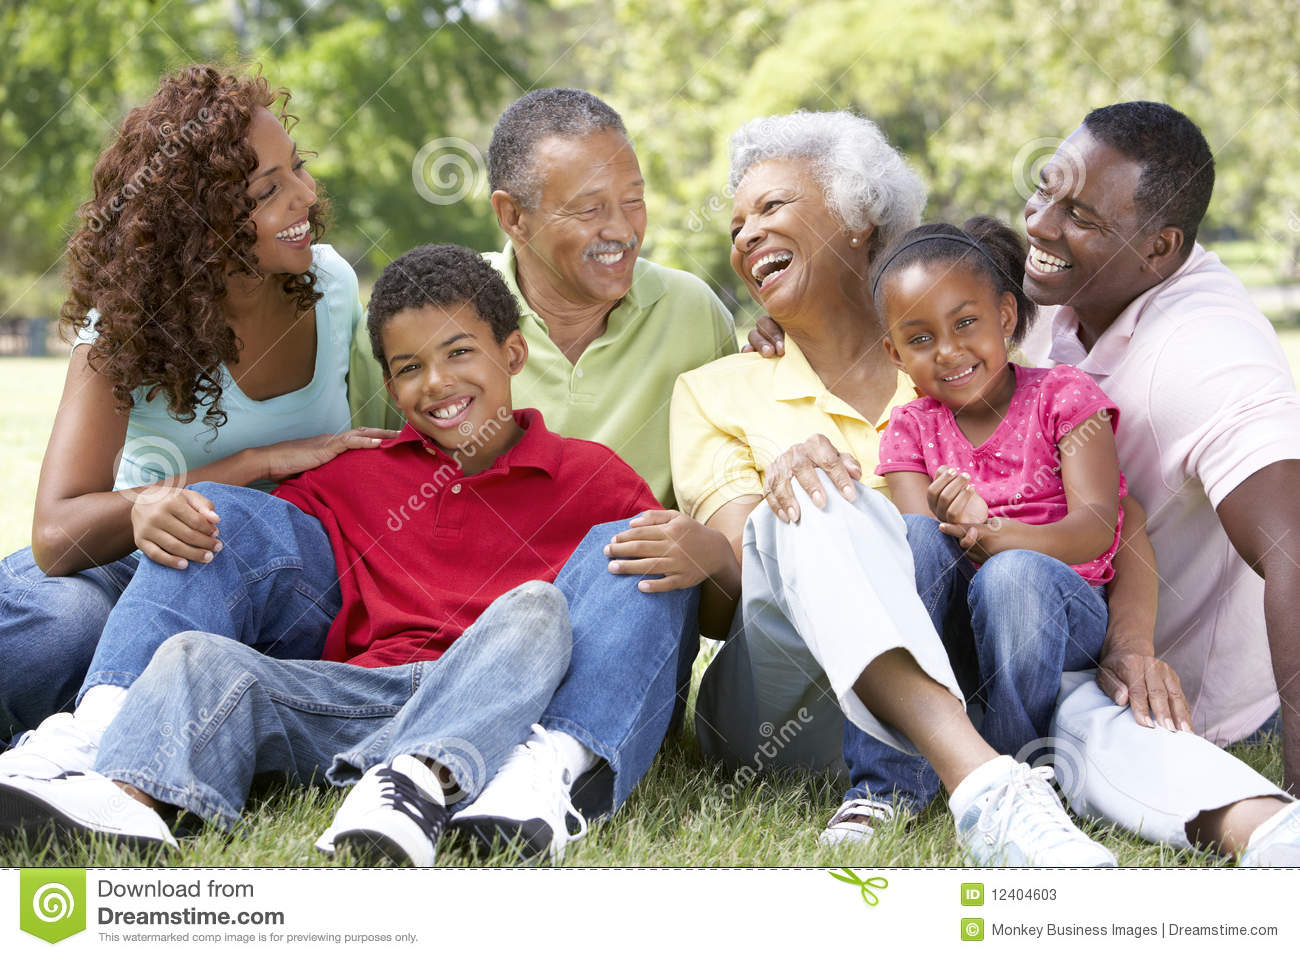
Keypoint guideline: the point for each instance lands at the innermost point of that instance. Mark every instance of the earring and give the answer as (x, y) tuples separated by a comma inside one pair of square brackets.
[(853, 241)]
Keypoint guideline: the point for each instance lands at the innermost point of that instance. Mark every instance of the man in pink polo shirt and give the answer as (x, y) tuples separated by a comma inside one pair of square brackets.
[(1210, 443)]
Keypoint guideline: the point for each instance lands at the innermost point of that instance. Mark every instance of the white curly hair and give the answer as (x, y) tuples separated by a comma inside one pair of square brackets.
[(866, 182)]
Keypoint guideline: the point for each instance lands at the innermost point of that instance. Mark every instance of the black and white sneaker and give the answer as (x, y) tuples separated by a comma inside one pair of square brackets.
[(527, 805), (79, 803), (393, 815)]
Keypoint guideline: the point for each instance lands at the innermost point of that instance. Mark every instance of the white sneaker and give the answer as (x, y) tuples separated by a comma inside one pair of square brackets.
[(1011, 817), (527, 804), (1276, 842), (855, 822), (61, 743), (79, 803), (393, 815)]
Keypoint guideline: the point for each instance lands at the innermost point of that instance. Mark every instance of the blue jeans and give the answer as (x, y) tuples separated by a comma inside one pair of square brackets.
[(1011, 629), (49, 627), (209, 713), (273, 587), (630, 669), (278, 592)]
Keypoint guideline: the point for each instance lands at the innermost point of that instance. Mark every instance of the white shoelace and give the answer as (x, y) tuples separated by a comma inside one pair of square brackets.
[(1038, 809), (876, 813)]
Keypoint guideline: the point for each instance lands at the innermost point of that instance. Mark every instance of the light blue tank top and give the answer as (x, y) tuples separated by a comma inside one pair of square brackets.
[(158, 446)]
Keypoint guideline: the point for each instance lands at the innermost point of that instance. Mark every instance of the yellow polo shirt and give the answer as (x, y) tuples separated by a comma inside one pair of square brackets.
[(731, 418)]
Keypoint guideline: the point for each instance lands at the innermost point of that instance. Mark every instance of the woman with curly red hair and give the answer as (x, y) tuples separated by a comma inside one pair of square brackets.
[(212, 344)]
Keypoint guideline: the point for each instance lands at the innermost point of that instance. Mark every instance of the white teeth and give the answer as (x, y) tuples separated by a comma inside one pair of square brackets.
[(757, 269), (1046, 262), (958, 375), (608, 259), (451, 411), (294, 233)]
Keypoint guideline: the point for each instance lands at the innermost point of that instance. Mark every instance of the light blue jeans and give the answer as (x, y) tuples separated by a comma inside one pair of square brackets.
[(49, 627), (1011, 629), (273, 587), (209, 713)]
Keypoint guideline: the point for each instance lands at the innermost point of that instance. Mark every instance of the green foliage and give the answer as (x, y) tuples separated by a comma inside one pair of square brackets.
[(973, 92)]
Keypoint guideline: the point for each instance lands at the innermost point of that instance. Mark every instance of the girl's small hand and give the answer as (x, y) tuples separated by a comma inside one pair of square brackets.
[(298, 455), (979, 540), (175, 526), (952, 498), (667, 543)]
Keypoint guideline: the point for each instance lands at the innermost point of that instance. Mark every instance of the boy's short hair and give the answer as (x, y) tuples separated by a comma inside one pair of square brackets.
[(440, 275)]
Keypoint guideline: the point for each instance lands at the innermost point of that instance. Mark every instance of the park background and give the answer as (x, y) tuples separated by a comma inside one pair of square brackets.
[(397, 100)]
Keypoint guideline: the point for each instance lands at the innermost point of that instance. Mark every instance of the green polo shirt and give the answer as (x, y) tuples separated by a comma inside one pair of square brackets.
[(618, 392)]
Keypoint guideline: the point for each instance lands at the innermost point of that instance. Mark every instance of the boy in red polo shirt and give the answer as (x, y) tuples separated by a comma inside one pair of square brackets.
[(422, 568)]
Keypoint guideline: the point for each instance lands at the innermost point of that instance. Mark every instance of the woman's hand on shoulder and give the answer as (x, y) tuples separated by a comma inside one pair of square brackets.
[(799, 463), (283, 459), (669, 544), (766, 338), (174, 526)]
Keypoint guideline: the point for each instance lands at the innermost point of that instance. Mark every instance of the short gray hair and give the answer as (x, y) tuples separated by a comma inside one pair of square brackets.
[(529, 120), (866, 182)]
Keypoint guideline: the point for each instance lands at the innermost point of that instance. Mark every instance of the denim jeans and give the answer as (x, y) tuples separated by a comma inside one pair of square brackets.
[(49, 626), (630, 668), (209, 713), (1011, 629), (273, 587)]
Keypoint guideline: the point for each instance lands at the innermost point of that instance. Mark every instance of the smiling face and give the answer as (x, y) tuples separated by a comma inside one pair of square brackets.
[(947, 330), (582, 240), (451, 380), (1088, 245), (786, 245), (284, 192)]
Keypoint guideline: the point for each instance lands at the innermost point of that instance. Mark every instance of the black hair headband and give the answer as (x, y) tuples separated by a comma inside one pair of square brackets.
[(961, 238)]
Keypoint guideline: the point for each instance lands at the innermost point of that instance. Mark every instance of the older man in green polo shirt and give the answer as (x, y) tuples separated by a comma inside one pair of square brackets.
[(608, 333)]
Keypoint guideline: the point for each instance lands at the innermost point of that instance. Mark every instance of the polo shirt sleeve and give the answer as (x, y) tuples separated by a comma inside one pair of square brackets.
[(298, 491), (901, 446), (1223, 405), (367, 397), (711, 463), (724, 328)]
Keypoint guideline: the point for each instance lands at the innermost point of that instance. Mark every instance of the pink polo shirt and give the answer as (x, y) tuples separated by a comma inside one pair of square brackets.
[(1207, 400)]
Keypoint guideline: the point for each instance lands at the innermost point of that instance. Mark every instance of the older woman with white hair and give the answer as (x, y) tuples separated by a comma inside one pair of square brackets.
[(829, 625)]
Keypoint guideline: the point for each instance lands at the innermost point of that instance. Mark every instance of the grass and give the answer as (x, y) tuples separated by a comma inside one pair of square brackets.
[(678, 816)]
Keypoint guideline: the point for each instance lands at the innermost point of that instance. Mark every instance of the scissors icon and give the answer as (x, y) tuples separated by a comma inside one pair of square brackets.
[(868, 895)]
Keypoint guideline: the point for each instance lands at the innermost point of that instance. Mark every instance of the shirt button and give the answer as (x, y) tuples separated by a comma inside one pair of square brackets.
[(455, 489), (579, 373)]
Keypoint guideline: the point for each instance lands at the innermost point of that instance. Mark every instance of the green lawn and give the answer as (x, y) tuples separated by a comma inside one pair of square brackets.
[(679, 815)]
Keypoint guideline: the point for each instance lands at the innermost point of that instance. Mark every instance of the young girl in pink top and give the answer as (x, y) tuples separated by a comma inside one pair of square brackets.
[(1007, 476)]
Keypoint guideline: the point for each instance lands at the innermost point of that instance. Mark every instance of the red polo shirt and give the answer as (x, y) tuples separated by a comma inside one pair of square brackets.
[(422, 549)]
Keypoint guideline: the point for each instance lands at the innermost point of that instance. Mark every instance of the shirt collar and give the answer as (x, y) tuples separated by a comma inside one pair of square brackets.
[(647, 289), (538, 448), (794, 380), (1109, 349)]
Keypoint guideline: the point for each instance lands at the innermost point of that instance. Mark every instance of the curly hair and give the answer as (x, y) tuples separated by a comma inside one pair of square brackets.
[(168, 224), (440, 276)]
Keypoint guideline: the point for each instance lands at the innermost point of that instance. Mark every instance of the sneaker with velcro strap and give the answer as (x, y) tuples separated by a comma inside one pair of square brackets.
[(856, 822)]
